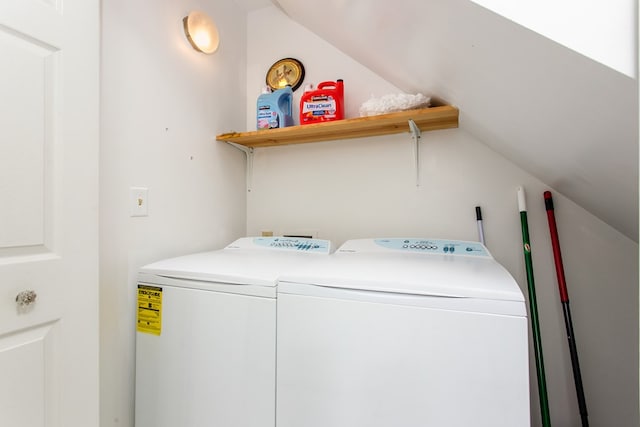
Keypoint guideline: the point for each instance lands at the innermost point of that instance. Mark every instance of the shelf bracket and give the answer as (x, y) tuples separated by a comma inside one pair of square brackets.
[(416, 135), (248, 151)]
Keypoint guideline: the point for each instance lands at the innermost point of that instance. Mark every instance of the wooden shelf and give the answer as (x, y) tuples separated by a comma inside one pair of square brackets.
[(442, 117)]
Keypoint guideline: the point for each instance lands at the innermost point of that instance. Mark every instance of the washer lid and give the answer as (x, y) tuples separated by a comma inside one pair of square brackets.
[(386, 265), (247, 261)]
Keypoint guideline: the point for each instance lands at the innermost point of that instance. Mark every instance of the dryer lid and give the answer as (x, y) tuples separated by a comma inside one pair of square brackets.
[(386, 265)]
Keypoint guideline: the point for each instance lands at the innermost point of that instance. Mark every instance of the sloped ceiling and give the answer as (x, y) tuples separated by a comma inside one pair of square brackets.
[(566, 119)]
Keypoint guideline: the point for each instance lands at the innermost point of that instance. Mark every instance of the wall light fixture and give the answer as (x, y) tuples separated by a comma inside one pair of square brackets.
[(201, 32)]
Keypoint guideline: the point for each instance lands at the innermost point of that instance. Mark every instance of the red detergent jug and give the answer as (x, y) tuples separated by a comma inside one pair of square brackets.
[(324, 104)]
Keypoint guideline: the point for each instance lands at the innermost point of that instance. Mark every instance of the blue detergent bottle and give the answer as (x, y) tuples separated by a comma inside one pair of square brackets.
[(274, 109)]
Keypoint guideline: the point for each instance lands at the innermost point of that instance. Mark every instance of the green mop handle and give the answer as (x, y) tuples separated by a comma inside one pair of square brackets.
[(533, 312)]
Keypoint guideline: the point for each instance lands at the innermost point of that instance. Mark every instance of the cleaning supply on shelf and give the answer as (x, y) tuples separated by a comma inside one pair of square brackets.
[(274, 109), (324, 104)]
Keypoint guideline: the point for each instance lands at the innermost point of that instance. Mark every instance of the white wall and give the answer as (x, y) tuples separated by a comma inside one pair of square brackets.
[(273, 36), (162, 105), (524, 95), (366, 187), (602, 30)]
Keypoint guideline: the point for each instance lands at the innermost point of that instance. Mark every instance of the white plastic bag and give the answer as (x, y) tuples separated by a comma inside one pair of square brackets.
[(393, 102)]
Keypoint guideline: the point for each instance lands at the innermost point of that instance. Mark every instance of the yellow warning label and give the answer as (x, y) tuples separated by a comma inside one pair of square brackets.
[(149, 309)]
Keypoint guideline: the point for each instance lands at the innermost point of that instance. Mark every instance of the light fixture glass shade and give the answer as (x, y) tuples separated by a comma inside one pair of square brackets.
[(201, 32)]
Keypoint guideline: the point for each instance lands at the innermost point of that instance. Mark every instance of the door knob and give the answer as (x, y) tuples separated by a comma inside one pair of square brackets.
[(26, 298)]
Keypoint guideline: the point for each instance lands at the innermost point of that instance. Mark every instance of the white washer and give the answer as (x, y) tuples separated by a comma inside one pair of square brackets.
[(205, 341), (402, 332)]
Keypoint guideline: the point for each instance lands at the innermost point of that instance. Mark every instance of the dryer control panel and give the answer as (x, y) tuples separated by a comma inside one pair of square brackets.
[(416, 245), (445, 247)]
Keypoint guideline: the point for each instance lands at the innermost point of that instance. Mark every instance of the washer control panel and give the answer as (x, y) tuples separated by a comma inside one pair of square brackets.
[(436, 246), (297, 244)]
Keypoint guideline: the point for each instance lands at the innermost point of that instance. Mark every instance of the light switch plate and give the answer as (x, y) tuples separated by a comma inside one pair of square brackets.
[(138, 201)]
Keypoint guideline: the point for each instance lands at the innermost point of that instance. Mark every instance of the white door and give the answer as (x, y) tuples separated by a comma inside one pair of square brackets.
[(49, 52)]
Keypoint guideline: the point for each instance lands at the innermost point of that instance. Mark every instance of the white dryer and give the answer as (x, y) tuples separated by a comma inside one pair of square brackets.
[(402, 332), (206, 330)]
